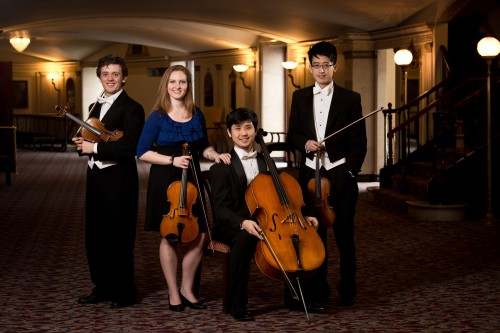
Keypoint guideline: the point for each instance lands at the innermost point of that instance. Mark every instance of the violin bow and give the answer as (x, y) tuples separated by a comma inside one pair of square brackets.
[(294, 293), (91, 110), (202, 201), (354, 122)]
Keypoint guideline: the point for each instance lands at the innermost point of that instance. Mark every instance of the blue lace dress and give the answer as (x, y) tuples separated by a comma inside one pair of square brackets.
[(166, 136)]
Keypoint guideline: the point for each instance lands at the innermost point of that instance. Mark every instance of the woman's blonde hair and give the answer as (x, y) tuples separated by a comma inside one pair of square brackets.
[(163, 103)]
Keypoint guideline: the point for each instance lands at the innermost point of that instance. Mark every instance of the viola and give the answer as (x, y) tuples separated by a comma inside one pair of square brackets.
[(290, 246), (319, 189), (180, 225), (93, 129)]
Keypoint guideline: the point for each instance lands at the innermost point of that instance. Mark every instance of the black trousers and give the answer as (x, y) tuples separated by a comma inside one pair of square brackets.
[(343, 199), (242, 246), (110, 229)]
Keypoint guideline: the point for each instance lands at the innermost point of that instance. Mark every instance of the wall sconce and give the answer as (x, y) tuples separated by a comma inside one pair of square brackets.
[(403, 58), (52, 76), (20, 43), (488, 48), (289, 65), (241, 69)]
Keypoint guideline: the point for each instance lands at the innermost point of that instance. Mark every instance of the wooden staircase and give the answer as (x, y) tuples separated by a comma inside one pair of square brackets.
[(439, 175)]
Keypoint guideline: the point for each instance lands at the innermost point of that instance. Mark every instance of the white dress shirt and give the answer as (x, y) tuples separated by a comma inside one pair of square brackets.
[(322, 102), (106, 103), (249, 161)]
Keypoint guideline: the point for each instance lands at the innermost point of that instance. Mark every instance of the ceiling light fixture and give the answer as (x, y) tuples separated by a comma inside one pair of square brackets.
[(20, 43)]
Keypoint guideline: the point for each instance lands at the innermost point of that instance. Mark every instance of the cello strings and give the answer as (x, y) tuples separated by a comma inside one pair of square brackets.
[(274, 174)]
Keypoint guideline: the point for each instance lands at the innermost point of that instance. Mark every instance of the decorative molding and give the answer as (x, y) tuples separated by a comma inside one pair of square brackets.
[(360, 54)]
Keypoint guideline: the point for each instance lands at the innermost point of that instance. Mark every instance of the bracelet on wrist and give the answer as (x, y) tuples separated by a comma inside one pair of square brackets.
[(210, 153), (172, 161)]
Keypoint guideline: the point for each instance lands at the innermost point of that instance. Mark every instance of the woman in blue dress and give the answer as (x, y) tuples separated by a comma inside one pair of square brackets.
[(175, 121)]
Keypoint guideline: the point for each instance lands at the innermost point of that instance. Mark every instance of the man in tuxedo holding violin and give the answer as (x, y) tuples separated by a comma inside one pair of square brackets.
[(112, 190), (316, 112)]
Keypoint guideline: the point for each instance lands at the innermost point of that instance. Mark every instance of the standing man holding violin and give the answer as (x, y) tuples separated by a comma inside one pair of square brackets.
[(316, 112), (112, 190)]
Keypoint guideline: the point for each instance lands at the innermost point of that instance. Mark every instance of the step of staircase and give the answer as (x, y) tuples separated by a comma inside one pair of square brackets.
[(415, 186), (424, 211), (391, 200), (415, 207)]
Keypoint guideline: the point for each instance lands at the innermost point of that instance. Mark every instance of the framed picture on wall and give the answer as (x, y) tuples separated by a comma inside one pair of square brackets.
[(20, 94)]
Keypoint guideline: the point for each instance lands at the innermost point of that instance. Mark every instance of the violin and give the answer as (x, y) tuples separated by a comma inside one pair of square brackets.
[(93, 129), (290, 246), (319, 189), (180, 225)]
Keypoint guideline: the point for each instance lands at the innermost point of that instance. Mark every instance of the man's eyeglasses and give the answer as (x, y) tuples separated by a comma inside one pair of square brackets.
[(322, 66)]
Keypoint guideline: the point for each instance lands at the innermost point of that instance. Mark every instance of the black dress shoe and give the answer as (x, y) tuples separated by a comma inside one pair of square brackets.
[(243, 315), (92, 299), (195, 305), (176, 308), (311, 307), (121, 304)]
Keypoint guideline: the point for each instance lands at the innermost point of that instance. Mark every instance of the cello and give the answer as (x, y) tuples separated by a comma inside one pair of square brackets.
[(319, 189), (289, 246), (180, 225)]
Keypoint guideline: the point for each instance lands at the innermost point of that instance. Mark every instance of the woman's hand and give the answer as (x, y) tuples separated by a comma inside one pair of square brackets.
[(182, 161), (226, 158)]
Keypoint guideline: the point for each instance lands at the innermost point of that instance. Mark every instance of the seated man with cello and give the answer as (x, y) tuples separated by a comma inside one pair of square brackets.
[(234, 224)]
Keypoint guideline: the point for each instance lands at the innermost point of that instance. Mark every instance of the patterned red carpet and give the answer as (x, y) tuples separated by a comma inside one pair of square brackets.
[(414, 276)]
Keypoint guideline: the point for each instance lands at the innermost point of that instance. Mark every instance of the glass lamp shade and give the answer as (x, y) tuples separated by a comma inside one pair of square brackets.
[(240, 68), (289, 64), (403, 57), (20, 43), (488, 47)]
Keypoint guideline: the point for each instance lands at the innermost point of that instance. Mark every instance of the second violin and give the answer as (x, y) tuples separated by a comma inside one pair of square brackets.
[(319, 190)]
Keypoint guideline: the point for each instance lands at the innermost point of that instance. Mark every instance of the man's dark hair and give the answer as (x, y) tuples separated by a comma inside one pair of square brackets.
[(111, 60), (238, 116), (325, 49)]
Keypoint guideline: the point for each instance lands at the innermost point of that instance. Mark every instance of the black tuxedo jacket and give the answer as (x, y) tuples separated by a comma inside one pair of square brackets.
[(229, 185), (112, 199), (344, 109), (127, 115)]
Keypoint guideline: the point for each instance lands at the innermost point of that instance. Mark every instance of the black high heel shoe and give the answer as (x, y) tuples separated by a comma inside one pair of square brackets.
[(176, 308), (195, 305)]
